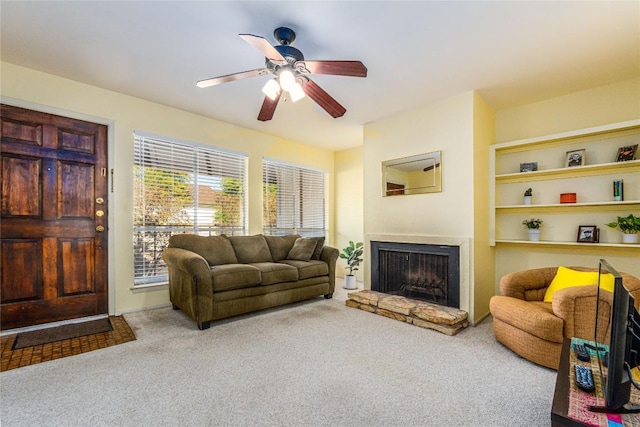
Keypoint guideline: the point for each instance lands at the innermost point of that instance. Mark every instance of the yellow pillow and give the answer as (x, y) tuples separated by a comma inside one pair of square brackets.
[(566, 278)]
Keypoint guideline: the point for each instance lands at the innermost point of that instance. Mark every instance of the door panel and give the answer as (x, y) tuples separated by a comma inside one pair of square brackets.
[(54, 262), (16, 285), (19, 185)]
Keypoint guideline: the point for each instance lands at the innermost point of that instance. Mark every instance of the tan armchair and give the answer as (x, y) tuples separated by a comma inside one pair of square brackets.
[(535, 329)]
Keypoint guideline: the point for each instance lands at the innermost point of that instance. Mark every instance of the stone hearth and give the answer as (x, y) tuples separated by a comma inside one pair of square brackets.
[(443, 319)]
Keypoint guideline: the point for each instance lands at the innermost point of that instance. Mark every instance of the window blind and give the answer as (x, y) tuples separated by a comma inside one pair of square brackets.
[(181, 187), (294, 199)]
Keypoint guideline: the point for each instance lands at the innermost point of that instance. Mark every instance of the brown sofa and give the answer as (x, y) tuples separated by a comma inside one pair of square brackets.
[(215, 277), (535, 329)]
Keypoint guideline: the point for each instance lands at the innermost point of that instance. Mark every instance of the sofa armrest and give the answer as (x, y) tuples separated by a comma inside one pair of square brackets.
[(330, 256), (186, 261), (528, 285), (576, 306), (190, 283)]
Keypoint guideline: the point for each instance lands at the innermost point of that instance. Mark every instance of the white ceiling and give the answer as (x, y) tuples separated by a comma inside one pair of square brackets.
[(512, 53)]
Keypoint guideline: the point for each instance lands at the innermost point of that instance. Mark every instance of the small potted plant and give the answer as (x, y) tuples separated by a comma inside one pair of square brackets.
[(352, 254), (533, 226), (528, 196), (630, 227)]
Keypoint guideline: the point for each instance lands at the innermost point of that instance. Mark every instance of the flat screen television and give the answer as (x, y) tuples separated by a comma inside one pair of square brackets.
[(617, 346)]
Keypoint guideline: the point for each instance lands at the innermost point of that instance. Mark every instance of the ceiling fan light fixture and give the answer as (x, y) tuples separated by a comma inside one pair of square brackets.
[(296, 93), (271, 89), (287, 79)]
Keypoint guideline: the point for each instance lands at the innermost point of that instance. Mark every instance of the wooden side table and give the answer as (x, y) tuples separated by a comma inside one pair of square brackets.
[(560, 405)]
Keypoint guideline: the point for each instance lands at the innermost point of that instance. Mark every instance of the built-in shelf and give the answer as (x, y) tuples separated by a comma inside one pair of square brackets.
[(575, 244), (592, 183), (570, 206), (573, 172)]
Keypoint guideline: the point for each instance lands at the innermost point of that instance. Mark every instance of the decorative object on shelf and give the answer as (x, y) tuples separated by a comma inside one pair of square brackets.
[(630, 227), (528, 196), (618, 190), (627, 153), (576, 158), (533, 227), (529, 167), (568, 198), (352, 254), (588, 234)]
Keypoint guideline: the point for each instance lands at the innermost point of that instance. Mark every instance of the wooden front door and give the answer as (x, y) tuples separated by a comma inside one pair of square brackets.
[(53, 227)]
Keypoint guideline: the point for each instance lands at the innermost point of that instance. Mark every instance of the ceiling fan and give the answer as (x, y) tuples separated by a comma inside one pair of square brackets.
[(291, 70)]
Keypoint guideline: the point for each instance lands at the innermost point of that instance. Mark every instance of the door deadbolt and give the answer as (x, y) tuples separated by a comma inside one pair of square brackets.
[(99, 213), (99, 200), (99, 229)]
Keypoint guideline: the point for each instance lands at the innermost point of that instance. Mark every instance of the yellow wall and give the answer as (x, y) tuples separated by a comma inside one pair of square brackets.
[(617, 102), (462, 128), (483, 259), (446, 125), (602, 105), (32, 89), (349, 203)]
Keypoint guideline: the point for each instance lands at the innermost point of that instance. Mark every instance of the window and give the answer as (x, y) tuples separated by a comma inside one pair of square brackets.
[(294, 200), (180, 187)]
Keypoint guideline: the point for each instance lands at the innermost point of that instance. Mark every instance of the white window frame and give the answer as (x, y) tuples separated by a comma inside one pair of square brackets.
[(303, 210), (199, 161)]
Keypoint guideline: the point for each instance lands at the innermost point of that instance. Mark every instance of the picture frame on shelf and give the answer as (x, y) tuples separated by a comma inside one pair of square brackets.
[(529, 167), (576, 158), (627, 153), (588, 234)]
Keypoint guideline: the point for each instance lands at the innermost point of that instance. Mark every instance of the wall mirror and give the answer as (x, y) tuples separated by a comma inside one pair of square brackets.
[(417, 174)]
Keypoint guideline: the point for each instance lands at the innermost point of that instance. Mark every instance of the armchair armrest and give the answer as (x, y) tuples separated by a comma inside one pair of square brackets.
[(527, 285), (576, 306)]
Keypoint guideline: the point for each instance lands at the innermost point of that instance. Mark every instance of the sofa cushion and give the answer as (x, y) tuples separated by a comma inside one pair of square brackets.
[(280, 245), (250, 249), (318, 249), (302, 249), (215, 249), (566, 278), (276, 273), (308, 269), (234, 276)]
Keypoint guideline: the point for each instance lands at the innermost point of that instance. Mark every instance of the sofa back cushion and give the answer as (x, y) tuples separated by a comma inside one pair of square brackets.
[(303, 249), (250, 249), (280, 245), (318, 250), (217, 250)]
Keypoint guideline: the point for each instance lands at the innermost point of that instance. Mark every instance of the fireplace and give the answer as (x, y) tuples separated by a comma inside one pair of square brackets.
[(425, 272)]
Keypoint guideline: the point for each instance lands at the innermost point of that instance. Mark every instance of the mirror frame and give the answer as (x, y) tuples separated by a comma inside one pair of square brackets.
[(404, 176)]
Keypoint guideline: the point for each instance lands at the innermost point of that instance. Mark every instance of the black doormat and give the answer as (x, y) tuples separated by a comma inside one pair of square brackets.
[(59, 333)]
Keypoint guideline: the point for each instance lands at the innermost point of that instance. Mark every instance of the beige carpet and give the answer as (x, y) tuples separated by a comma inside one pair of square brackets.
[(317, 363)]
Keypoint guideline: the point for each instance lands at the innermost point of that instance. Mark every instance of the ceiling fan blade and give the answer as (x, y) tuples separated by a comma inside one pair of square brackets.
[(232, 77), (268, 108), (263, 45), (336, 68), (323, 99)]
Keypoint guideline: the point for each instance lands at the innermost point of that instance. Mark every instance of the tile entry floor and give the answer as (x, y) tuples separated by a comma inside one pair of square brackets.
[(12, 359)]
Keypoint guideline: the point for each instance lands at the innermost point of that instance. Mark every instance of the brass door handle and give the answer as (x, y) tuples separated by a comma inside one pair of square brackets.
[(99, 229)]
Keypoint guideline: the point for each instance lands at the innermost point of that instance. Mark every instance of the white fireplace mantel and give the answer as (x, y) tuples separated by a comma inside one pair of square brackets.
[(463, 243)]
